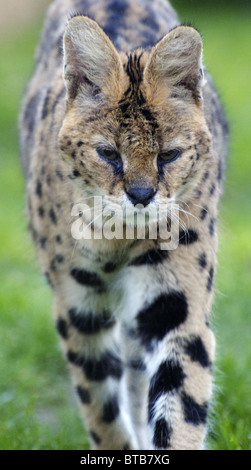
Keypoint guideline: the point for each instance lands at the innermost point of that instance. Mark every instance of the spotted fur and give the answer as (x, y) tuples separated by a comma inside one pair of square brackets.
[(133, 319)]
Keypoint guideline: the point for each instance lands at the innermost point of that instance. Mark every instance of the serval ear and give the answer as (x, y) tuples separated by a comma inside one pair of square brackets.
[(176, 62), (91, 62)]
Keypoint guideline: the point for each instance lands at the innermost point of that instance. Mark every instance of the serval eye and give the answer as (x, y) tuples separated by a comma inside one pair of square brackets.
[(108, 154), (169, 156)]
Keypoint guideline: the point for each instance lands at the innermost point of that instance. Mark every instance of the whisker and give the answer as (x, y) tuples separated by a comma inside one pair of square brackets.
[(92, 221), (178, 221), (82, 212), (200, 207), (195, 205), (189, 213), (181, 223), (70, 221), (183, 202), (113, 201), (83, 199)]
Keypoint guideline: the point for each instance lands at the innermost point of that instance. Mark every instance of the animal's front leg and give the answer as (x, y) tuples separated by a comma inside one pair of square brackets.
[(180, 383), (135, 382), (90, 341), (169, 322)]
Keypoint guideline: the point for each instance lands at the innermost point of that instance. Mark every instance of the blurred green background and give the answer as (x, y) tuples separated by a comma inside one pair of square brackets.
[(37, 407)]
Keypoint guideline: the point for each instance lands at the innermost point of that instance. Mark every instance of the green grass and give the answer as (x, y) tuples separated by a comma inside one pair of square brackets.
[(38, 410)]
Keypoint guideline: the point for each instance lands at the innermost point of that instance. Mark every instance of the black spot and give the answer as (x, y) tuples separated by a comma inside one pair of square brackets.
[(205, 176), (75, 359), (84, 395), (110, 267), (203, 213), (76, 173), (211, 226), (111, 410), (39, 189), (210, 279), (118, 7), (150, 21), (197, 351), (187, 237), (149, 116), (41, 211), (45, 109), (162, 434), (124, 107), (166, 313), (95, 437), (169, 377), (89, 323), (202, 260), (57, 259), (42, 242), (73, 154), (59, 174), (198, 193), (80, 143), (53, 265), (48, 279), (59, 239), (212, 189), (53, 216), (60, 95), (109, 365), (219, 175), (87, 278), (151, 257), (62, 327), (31, 111), (34, 233), (194, 413), (116, 14), (124, 125)]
